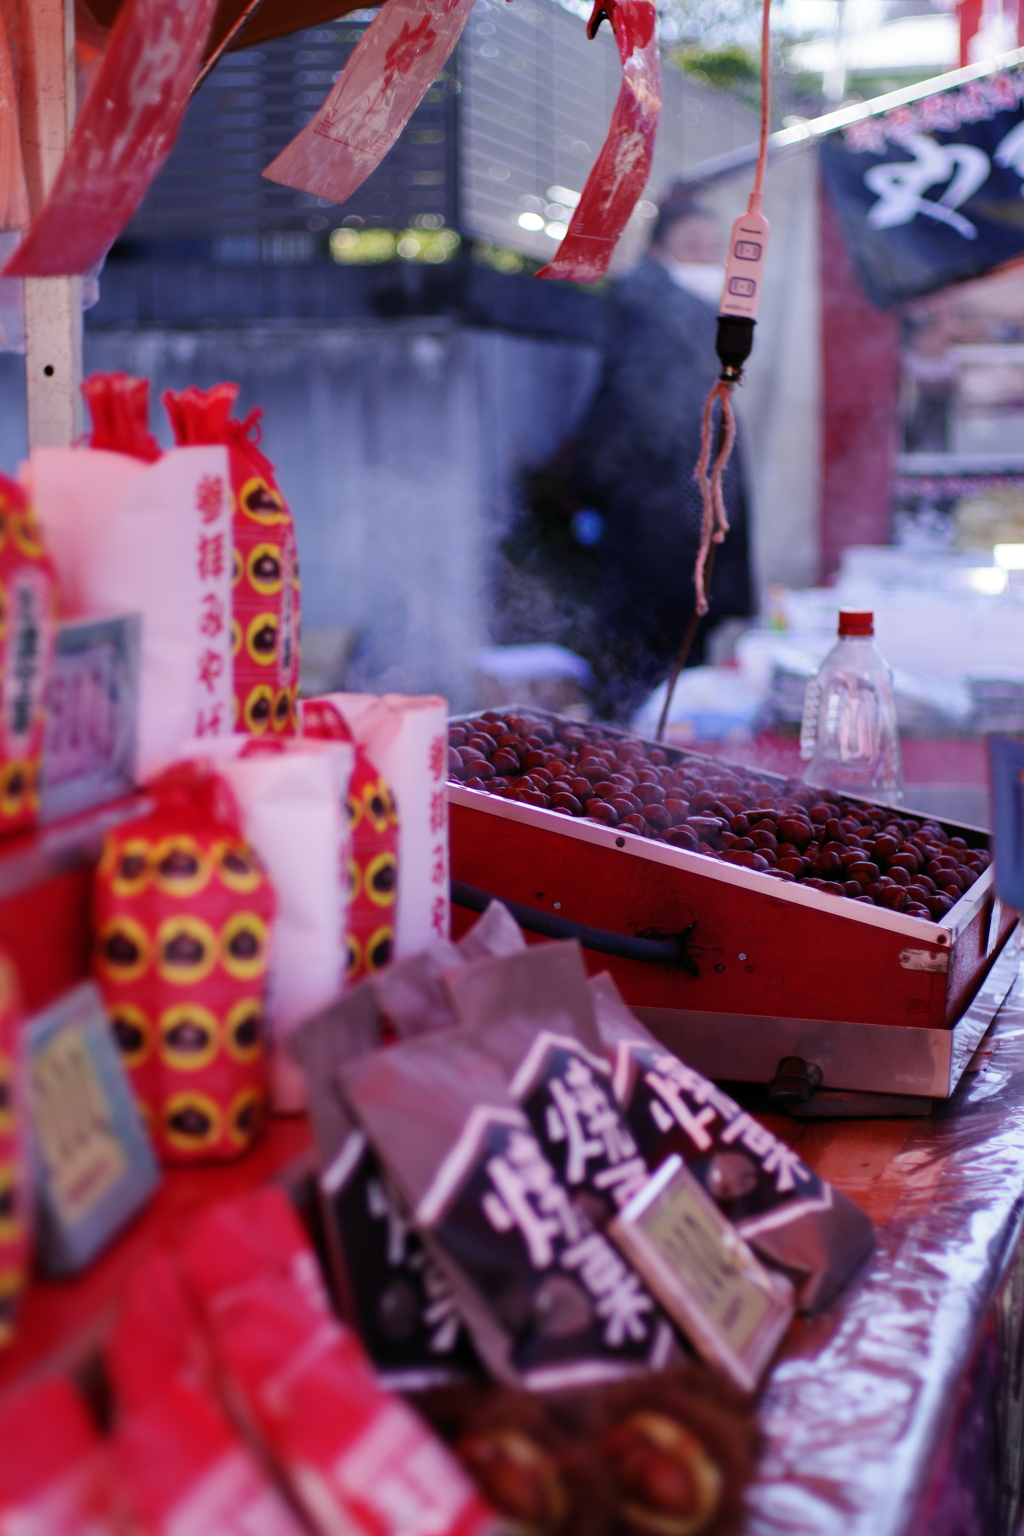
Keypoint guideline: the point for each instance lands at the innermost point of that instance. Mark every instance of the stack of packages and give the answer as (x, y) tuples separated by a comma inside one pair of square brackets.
[(570, 1364), (241, 1406), (201, 541), (261, 875), (523, 1185)]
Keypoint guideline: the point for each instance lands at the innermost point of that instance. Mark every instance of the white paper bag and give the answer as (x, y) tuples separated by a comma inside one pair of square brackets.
[(406, 738), (292, 796), (156, 539)]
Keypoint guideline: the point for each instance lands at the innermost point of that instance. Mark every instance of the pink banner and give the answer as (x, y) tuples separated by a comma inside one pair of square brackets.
[(123, 136), (621, 170), (389, 73)]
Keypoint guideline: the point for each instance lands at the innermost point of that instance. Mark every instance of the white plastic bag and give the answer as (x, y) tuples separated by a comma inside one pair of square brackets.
[(129, 536), (198, 540), (292, 795), (406, 738)]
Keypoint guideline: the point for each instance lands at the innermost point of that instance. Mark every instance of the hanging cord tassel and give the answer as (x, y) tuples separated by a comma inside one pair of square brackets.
[(715, 519), (734, 341), (714, 523)]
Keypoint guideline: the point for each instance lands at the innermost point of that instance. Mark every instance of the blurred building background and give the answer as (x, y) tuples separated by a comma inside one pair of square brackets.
[(417, 381), (409, 366)]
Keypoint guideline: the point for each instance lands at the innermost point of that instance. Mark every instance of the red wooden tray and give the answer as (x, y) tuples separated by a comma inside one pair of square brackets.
[(878, 1000)]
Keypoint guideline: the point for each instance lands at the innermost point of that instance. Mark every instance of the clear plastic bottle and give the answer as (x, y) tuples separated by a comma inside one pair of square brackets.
[(849, 731)]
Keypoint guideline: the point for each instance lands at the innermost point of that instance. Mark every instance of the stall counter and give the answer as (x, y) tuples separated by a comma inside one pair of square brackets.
[(900, 1410)]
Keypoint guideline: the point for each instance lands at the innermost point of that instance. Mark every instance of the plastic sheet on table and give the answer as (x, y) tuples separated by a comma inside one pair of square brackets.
[(874, 1420)]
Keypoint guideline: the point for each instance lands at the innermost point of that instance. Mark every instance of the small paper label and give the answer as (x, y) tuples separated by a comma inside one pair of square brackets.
[(75, 1124), (684, 1228), (732, 1310)]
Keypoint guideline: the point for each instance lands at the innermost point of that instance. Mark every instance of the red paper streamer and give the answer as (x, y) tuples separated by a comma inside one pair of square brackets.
[(14, 209), (621, 170), (389, 73), (123, 136)]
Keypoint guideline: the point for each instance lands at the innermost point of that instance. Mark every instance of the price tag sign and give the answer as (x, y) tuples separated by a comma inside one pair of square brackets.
[(91, 706), (93, 1162), (732, 1309), (74, 1123)]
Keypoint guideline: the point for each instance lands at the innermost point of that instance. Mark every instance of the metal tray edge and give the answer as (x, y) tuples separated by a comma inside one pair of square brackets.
[(619, 841), (855, 1056)]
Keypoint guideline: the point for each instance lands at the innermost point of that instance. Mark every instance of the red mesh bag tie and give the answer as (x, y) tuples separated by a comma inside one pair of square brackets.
[(204, 416), (323, 722), (119, 406), (193, 790)]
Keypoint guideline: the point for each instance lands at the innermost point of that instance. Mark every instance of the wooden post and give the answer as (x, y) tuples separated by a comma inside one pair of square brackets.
[(53, 305)]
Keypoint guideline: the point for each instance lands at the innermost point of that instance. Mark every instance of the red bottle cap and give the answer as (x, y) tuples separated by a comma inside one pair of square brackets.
[(856, 623)]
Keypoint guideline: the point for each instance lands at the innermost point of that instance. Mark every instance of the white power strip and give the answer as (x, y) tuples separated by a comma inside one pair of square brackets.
[(748, 245)]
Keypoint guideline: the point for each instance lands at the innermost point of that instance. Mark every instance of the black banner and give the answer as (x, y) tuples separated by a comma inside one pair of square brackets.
[(931, 193)]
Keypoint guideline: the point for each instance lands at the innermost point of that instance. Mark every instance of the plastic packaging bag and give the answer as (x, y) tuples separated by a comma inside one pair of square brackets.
[(181, 1468), (388, 1286), (355, 1457), (123, 135), (15, 1176), (155, 1341), (183, 912), (412, 993), (26, 653), (405, 738), (132, 535), (534, 1014), (547, 1300), (53, 1468)]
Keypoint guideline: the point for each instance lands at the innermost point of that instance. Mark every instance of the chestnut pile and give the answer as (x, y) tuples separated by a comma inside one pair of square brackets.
[(789, 831)]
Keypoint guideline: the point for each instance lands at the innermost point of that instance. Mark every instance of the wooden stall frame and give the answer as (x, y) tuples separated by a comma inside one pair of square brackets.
[(53, 305)]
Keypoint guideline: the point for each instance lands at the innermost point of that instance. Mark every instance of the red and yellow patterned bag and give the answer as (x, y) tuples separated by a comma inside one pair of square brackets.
[(265, 576), (183, 910), (373, 865), (28, 604)]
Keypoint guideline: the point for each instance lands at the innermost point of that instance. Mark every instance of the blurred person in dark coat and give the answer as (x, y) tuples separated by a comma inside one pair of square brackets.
[(636, 453)]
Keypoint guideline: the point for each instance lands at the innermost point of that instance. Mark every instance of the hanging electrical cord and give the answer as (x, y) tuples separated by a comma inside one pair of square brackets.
[(737, 316)]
